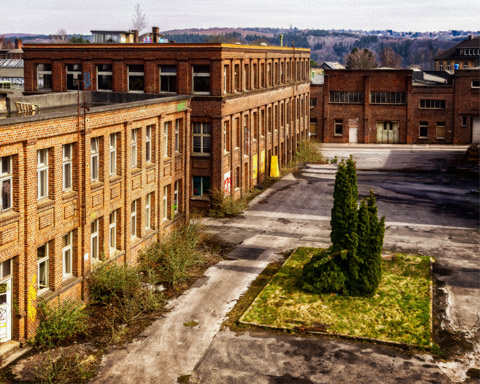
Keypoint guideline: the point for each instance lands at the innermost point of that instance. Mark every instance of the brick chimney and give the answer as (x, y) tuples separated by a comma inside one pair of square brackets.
[(155, 34), (18, 44), (135, 35)]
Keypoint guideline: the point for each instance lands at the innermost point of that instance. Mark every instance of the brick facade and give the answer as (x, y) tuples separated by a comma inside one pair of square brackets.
[(246, 84), (31, 222), (383, 102)]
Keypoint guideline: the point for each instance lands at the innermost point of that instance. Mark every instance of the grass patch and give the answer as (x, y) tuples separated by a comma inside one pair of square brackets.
[(192, 323), (399, 312)]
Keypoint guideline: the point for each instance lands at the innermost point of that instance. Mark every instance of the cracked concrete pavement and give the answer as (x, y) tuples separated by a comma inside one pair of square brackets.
[(427, 213)]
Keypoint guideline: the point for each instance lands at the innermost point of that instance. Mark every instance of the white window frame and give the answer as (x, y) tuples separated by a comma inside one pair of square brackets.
[(148, 144), (77, 75), (166, 126), (202, 136), (5, 179), (104, 73), (46, 260), (95, 158), (135, 74), (175, 197), (40, 74), (95, 240), (177, 135), (225, 79), (67, 254), (167, 74), (165, 203), (112, 231), (133, 219), (148, 211), (134, 149), (200, 74), (113, 153), (42, 173), (67, 171)]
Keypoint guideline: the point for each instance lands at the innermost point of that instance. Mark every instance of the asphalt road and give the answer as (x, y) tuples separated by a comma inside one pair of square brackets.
[(428, 212)]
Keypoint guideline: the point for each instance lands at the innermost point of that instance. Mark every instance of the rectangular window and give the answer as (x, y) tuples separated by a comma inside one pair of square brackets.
[(148, 144), (133, 218), (5, 269), (42, 173), (236, 78), (201, 79), (165, 202), (168, 79), (342, 98), (201, 138), (67, 167), (104, 78), (464, 121), (387, 97), (313, 102), (44, 77), (113, 153), (269, 74), (112, 230), (94, 240), (475, 83), (67, 254), (262, 75), (423, 130), (74, 73), (237, 129), (148, 211), (134, 149), (225, 78), (226, 137), (465, 64), (6, 183), (245, 135), (237, 178), (449, 66), (166, 144), (432, 104), (255, 76), (440, 131), (338, 127), (136, 79), (246, 77), (176, 192), (177, 135), (255, 125), (95, 158), (43, 255), (262, 122), (200, 185)]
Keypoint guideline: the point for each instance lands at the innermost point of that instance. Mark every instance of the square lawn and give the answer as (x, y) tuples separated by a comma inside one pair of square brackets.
[(398, 312)]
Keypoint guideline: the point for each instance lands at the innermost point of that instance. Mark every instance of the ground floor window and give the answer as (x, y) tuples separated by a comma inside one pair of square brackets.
[(67, 254), (338, 127), (423, 134), (201, 185), (43, 255), (440, 130)]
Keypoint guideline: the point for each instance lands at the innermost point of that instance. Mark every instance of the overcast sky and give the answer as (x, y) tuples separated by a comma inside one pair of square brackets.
[(81, 16)]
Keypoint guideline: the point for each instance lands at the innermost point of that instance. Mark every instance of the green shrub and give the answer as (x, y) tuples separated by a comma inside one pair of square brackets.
[(322, 274), (59, 321), (226, 206), (67, 369), (121, 288), (307, 152), (169, 260)]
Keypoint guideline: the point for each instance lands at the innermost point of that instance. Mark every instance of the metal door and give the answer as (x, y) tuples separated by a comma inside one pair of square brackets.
[(388, 132)]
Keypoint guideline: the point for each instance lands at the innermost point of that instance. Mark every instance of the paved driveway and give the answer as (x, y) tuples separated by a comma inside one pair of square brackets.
[(433, 214)]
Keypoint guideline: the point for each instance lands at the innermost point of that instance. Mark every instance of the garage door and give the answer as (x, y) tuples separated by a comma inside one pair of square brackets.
[(387, 132), (476, 130)]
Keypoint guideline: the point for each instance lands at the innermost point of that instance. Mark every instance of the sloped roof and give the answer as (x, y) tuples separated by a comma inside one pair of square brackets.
[(11, 63), (469, 43)]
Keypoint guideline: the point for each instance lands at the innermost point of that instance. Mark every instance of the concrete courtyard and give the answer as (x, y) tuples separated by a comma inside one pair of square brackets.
[(428, 211)]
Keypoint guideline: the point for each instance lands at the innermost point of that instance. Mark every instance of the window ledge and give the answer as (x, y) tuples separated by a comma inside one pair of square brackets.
[(44, 204), (151, 165), (48, 294), (196, 154), (200, 198), (8, 217), (338, 135), (96, 185), (69, 195), (135, 171), (114, 179)]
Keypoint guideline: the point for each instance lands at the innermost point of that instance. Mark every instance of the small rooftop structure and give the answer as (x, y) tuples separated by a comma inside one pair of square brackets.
[(115, 36), (332, 65)]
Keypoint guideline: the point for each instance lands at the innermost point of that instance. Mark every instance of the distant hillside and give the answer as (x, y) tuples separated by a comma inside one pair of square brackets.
[(416, 49)]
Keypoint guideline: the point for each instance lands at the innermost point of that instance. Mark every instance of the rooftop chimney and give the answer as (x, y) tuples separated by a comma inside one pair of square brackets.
[(18, 44), (155, 34), (135, 35), (470, 37)]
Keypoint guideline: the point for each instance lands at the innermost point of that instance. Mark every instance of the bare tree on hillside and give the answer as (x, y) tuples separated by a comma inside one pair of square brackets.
[(61, 37), (139, 19), (361, 59), (389, 58)]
